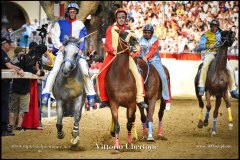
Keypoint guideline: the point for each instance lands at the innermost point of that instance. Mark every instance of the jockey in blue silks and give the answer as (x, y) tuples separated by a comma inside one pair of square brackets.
[(150, 52), (75, 28)]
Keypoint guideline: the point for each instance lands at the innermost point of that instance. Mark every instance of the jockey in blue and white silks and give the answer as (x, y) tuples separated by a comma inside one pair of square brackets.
[(75, 28), (150, 52)]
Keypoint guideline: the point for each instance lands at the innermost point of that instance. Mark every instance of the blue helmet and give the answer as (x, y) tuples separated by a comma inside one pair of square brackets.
[(148, 27), (73, 5)]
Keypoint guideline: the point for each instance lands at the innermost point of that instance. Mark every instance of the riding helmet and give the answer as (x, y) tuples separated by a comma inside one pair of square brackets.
[(120, 10), (73, 5), (215, 22), (148, 27)]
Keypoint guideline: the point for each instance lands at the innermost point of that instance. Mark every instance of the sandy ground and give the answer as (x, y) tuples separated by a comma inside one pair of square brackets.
[(184, 139)]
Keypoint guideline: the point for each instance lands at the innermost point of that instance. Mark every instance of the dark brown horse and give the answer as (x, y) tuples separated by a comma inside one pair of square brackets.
[(121, 85), (153, 89), (216, 83)]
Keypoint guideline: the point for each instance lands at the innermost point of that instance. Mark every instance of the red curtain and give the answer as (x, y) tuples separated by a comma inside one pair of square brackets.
[(31, 120)]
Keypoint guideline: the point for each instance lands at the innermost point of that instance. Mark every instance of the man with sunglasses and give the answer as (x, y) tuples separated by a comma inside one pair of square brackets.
[(209, 41), (75, 28), (150, 53), (111, 48)]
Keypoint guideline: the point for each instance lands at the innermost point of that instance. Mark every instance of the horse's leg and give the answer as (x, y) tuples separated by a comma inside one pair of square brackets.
[(77, 116), (114, 111), (208, 106), (200, 101), (144, 121), (151, 108), (215, 114), (160, 116), (60, 134), (112, 128), (228, 105), (134, 130), (130, 119)]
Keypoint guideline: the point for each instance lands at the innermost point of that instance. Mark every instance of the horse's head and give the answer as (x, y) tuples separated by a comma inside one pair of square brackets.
[(131, 39), (228, 37), (70, 56)]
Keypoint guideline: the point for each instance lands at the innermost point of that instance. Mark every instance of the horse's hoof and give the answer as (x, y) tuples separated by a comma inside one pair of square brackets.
[(112, 134), (135, 140), (116, 151), (150, 138), (161, 137), (205, 123), (214, 133), (200, 124), (230, 126), (60, 135), (75, 141)]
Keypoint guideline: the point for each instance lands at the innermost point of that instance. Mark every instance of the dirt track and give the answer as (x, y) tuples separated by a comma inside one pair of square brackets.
[(185, 140)]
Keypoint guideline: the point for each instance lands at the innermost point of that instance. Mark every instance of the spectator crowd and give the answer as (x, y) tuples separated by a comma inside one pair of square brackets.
[(180, 24)]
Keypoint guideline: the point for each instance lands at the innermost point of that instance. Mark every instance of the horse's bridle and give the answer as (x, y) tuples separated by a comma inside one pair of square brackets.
[(126, 45), (73, 62)]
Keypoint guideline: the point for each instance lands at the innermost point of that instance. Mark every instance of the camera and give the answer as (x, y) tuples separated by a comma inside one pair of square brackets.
[(34, 56)]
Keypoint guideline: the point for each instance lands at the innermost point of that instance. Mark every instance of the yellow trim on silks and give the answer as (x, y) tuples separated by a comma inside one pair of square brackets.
[(229, 114), (115, 37), (200, 115), (134, 131)]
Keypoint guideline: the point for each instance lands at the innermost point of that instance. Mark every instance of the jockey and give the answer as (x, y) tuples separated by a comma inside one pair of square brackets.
[(111, 48), (71, 27), (209, 41), (150, 52)]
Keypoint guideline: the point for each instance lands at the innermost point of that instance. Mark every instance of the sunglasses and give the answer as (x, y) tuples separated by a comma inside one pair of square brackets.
[(147, 32), (73, 12), (123, 17)]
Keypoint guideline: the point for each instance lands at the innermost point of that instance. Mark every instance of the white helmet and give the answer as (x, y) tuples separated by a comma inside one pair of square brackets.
[(73, 5)]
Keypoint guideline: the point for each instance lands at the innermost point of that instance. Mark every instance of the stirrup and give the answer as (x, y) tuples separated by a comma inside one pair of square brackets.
[(45, 98)]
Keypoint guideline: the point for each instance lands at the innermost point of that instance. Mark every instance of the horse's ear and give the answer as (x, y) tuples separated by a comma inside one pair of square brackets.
[(66, 37)]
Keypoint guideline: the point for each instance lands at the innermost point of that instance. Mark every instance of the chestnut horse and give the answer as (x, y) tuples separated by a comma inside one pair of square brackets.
[(121, 85), (216, 83), (153, 89)]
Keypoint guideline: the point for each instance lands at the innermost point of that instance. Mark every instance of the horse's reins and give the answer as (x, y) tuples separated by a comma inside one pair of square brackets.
[(74, 63), (113, 57)]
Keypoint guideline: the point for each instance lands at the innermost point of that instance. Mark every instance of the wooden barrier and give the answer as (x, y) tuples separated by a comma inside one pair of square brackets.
[(27, 75)]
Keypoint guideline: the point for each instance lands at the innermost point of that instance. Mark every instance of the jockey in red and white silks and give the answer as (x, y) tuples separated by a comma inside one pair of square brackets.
[(111, 48), (75, 28)]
